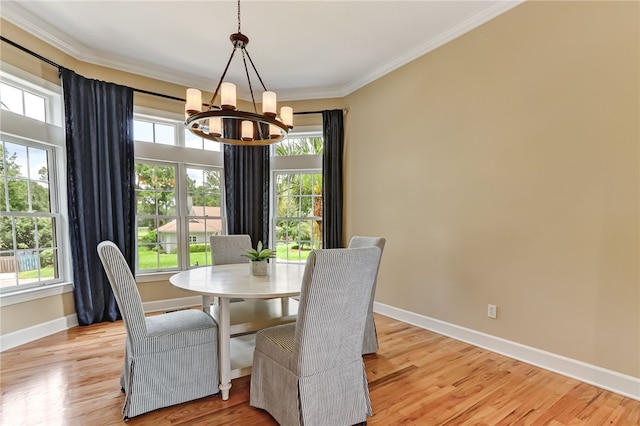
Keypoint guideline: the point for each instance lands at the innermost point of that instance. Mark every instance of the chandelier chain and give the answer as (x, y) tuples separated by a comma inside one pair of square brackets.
[(239, 16)]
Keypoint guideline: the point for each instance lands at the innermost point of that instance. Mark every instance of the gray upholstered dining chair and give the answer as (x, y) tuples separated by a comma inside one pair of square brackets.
[(311, 372), (226, 249), (370, 343), (169, 358)]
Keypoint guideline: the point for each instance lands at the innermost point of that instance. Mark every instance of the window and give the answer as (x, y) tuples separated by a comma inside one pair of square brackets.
[(28, 245), (32, 241), (152, 129), (178, 194), (160, 227), (193, 141), (29, 96), (180, 197), (148, 131), (21, 102), (157, 221), (204, 198), (300, 145), (297, 197)]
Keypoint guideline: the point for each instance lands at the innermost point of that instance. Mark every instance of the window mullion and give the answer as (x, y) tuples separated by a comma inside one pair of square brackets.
[(183, 222)]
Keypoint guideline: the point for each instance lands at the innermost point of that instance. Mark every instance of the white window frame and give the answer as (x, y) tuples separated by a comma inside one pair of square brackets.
[(292, 164), (27, 131), (175, 216), (182, 157), (52, 93), (187, 217)]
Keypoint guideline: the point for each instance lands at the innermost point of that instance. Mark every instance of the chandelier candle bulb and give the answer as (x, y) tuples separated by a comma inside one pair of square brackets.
[(274, 131), (215, 126), (269, 103), (247, 130), (228, 95), (286, 113), (194, 101)]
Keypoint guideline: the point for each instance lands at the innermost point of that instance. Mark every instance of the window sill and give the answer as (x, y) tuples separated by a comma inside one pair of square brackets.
[(22, 296), (29, 294)]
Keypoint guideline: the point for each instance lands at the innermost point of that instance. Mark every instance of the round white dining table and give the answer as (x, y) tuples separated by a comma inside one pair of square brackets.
[(235, 281)]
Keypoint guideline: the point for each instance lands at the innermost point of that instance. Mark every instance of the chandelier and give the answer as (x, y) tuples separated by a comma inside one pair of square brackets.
[(224, 122)]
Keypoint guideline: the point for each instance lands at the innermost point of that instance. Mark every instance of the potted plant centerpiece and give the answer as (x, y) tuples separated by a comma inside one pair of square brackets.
[(259, 257)]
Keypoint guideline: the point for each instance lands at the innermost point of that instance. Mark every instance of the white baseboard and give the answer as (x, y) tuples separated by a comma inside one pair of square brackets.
[(26, 335), (610, 380), (613, 381)]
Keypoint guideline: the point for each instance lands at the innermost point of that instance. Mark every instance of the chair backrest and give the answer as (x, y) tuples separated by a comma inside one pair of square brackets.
[(358, 241), (124, 289), (334, 299), (227, 249)]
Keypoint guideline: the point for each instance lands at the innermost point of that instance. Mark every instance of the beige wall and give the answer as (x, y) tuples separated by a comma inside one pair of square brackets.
[(503, 168), (28, 314)]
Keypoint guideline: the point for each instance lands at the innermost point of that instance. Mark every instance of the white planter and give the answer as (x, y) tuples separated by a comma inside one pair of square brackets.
[(258, 267)]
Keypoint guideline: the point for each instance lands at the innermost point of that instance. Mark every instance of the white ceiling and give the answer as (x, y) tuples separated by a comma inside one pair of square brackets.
[(302, 49)]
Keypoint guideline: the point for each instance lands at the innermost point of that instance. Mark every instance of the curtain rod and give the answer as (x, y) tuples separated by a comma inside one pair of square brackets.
[(146, 92)]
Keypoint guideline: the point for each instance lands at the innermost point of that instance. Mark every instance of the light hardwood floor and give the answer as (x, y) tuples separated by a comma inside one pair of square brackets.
[(418, 377)]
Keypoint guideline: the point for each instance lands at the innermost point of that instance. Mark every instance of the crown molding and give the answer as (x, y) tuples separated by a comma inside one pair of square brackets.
[(35, 26), (473, 22), (15, 14)]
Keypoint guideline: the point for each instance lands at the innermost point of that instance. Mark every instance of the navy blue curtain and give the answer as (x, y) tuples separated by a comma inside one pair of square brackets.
[(332, 178), (246, 179), (100, 186)]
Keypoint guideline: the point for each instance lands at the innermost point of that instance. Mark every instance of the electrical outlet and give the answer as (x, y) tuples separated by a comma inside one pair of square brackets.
[(492, 311)]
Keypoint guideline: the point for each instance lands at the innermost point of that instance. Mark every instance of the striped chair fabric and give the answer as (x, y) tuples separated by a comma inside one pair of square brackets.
[(169, 358), (311, 372), (226, 249), (370, 343)]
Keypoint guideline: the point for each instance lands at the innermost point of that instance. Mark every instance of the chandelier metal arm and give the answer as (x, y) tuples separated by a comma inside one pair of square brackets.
[(255, 69), (246, 71), (253, 98), (215, 93)]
